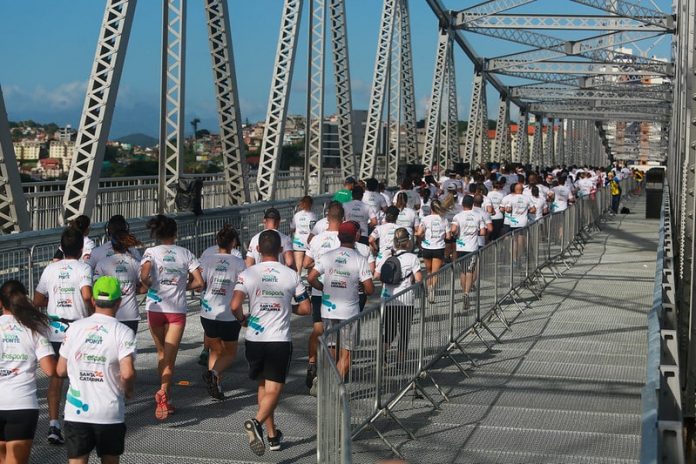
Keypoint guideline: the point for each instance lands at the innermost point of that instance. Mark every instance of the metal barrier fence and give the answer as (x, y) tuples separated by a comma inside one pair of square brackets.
[(394, 347), (661, 431)]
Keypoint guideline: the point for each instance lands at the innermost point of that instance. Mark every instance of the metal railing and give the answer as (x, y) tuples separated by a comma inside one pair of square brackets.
[(395, 346), (137, 196), (661, 430)]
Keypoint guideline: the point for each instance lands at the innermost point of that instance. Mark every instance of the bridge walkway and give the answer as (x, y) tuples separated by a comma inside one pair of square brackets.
[(563, 386)]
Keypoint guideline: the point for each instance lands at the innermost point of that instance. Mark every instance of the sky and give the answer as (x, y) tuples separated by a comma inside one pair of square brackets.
[(48, 48)]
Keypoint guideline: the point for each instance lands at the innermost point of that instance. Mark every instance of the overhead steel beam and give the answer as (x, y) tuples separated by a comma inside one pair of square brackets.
[(95, 122), (557, 93), (632, 11), (272, 145), (487, 8), (557, 22), (172, 114), (608, 116), (14, 216), (580, 67), (235, 166)]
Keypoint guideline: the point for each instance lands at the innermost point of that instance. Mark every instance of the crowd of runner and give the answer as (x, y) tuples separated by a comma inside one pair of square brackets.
[(82, 322)]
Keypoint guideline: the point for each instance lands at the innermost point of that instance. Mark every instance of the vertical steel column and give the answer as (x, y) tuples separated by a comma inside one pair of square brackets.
[(501, 128), (443, 138), (272, 146), (171, 136), (432, 126), (474, 124), (522, 152), (410, 145), (560, 157), (315, 97), (394, 108), (95, 122), (227, 98), (453, 149), (538, 143), (550, 157), (482, 144), (344, 104), (14, 216), (379, 83)]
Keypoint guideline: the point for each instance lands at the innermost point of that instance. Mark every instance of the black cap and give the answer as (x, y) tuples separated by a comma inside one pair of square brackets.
[(350, 180), (271, 213)]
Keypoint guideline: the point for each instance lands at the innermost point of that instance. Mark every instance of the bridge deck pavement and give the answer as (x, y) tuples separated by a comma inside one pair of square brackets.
[(563, 386)]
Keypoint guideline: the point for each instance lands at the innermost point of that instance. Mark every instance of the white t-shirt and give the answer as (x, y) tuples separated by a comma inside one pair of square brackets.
[(107, 249), (376, 201), (562, 195), (385, 234), (126, 268), (408, 218), (585, 185), (94, 347), (61, 282), (88, 246), (412, 198), (270, 287), (213, 250), (485, 215), (359, 212), (220, 273), (520, 206), (321, 225), (319, 246), (539, 203), (171, 265), (343, 270), (285, 243), (410, 264), (435, 230), (302, 223), (20, 350), (469, 224), (425, 210)]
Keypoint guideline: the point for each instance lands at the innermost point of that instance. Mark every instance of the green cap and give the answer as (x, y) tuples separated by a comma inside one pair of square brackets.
[(106, 288)]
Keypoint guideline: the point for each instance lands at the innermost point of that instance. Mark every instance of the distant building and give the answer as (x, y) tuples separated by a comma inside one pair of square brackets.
[(66, 134), (27, 150), (62, 151)]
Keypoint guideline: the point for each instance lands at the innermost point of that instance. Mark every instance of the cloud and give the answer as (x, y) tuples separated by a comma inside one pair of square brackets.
[(67, 96)]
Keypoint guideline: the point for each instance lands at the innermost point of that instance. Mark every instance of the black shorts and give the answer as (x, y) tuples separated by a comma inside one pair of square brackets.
[(364, 240), (227, 331), (133, 325), (56, 348), (433, 254), (268, 360), (316, 308), (18, 424), (81, 438)]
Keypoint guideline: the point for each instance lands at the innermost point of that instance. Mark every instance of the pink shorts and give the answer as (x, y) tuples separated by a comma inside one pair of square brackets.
[(160, 319)]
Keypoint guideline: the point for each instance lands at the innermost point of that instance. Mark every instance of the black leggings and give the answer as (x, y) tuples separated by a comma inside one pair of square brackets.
[(399, 317)]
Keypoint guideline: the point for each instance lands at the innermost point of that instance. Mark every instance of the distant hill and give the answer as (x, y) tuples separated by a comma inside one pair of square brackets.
[(142, 140)]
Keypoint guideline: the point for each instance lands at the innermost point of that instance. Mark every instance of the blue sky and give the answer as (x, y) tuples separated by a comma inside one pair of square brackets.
[(48, 47)]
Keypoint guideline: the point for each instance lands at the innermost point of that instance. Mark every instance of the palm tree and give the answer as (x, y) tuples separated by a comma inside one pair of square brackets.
[(195, 123)]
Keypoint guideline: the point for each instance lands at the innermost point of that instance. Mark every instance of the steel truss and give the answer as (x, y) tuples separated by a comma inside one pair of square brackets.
[(538, 142), (225, 81), (85, 169), (315, 96), (522, 151), (502, 131), (272, 144), (434, 117), (476, 141), (14, 216)]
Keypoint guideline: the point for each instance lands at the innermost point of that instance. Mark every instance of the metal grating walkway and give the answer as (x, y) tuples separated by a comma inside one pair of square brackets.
[(564, 386)]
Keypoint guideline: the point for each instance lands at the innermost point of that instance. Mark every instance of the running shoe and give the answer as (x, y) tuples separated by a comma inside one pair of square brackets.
[(274, 443), (315, 386), (203, 358), (216, 388), (55, 436), (255, 433), (162, 409), (311, 374)]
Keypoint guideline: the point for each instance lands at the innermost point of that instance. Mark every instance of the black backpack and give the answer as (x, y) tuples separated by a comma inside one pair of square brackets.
[(391, 271), (188, 196)]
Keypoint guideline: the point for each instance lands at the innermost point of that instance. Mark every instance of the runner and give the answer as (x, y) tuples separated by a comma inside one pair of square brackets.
[(23, 344), (408, 217), (167, 271), (358, 211), (270, 287), (321, 244), (300, 228), (97, 357), (123, 264), (433, 230), (220, 271), (117, 223), (516, 207), (374, 199), (467, 226), (81, 224), (65, 289), (382, 238), (271, 221), (562, 195), (343, 270), (234, 244)]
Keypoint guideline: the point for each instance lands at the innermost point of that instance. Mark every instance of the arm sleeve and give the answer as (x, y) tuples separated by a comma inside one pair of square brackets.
[(365, 273), (240, 286), (42, 347), (147, 257), (126, 343), (319, 265), (66, 346), (193, 262), (86, 276), (42, 287)]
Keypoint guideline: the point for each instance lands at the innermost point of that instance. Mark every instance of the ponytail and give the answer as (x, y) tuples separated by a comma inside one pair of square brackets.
[(122, 241), (13, 296), (161, 227), (401, 200)]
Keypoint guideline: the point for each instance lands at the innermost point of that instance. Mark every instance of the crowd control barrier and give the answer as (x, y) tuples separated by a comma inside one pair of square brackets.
[(395, 346)]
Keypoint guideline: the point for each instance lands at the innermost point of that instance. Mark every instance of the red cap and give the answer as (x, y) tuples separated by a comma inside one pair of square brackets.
[(348, 228)]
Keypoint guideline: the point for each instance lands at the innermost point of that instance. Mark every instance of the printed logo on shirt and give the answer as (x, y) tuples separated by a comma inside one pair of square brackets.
[(269, 275), (270, 293), (206, 306), (10, 327), (10, 338), (152, 294), (326, 301), (254, 324), (169, 256), (93, 338), (57, 326), (64, 272), (121, 267), (269, 307), (14, 357), (338, 272), (339, 284), (221, 266), (90, 358), (9, 372), (73, 398), (92, 376)]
